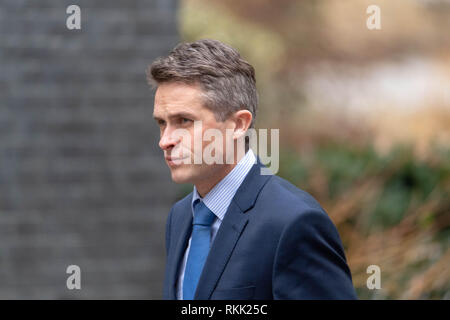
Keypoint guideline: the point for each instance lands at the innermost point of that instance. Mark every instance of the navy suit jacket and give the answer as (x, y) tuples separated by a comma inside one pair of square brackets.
[(275, 242)]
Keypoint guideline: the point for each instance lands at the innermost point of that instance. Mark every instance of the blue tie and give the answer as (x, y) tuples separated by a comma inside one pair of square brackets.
[(200, 242)]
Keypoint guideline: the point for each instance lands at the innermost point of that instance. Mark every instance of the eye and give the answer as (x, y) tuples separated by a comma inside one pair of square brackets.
[(185, 120), (161, 122)]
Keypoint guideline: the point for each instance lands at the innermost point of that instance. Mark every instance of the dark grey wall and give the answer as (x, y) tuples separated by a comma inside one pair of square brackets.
[(82, 180)]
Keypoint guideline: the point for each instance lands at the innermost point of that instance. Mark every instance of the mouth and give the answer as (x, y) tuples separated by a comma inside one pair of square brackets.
[(174, 161)]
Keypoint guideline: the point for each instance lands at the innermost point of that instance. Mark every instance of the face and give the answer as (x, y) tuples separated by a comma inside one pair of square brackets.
[(177, 107)]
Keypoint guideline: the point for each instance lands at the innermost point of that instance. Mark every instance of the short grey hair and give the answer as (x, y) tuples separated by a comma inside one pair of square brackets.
[(227, 81)]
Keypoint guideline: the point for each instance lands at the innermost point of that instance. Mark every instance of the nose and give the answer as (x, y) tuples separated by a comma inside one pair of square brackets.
[(167, 140)]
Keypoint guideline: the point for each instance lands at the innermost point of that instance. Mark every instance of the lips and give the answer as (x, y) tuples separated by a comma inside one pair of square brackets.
[(174, 161)]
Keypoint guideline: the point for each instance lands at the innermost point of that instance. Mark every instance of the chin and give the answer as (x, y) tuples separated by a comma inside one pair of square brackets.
[(181, 175)]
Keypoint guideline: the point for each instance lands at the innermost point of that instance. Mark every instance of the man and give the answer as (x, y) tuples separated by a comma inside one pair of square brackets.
[(240, 234)]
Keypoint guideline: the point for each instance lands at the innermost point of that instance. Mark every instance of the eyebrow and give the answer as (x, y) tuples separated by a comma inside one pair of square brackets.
[(175, 115)]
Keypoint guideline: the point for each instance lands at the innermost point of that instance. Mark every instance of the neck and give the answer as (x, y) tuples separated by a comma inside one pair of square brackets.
[(203, 187)]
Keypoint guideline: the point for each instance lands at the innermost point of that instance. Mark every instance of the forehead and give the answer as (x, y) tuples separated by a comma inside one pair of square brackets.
[(176, 97)]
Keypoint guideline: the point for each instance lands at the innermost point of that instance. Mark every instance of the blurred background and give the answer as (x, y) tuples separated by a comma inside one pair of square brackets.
[(364, 119), (82, 179)]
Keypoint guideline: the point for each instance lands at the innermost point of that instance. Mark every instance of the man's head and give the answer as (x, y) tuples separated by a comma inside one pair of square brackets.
[(205, 81)]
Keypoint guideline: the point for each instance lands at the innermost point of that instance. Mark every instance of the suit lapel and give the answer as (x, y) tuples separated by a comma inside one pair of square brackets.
[(184, 228), (230, 230)]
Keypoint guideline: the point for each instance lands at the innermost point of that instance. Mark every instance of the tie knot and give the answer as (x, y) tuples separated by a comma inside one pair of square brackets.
[(202, 215)]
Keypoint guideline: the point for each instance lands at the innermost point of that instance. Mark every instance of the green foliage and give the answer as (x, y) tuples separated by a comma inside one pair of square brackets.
[(344, 164), (405, 180)]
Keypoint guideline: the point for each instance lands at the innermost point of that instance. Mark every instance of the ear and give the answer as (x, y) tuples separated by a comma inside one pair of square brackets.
[(242, 120)]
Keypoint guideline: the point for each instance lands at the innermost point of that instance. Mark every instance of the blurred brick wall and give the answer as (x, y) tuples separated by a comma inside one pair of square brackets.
[(81, 178)]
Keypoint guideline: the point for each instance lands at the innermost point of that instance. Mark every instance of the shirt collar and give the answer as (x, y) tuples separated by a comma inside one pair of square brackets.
[(219, 197)]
